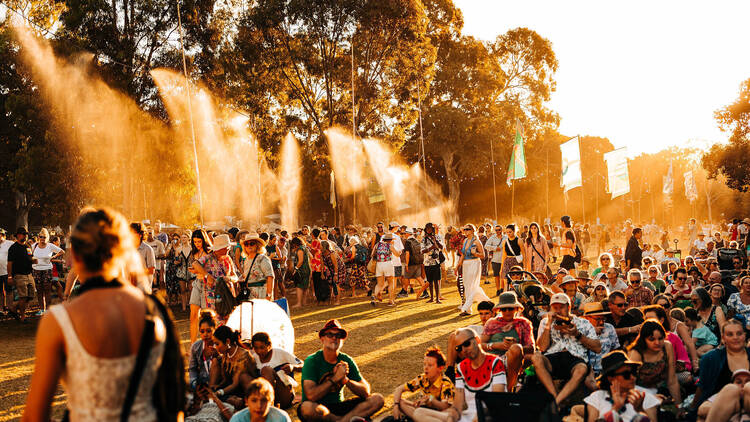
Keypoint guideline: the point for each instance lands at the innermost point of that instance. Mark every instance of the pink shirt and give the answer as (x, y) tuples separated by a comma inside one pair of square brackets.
[(680, 352)]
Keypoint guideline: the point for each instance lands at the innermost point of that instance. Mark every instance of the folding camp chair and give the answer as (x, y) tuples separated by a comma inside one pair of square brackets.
[(526, 407)]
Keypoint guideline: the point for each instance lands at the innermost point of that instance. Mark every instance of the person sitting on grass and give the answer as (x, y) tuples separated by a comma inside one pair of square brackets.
[(705, 340), (436, 390), (207, 407), (324, 376), (486, 311), (564, 341), (259, 400), (509, 336), (478, 371), (234, 368), (277, 366)]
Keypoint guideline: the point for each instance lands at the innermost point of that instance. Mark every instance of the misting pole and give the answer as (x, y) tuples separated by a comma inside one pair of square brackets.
[(190, 112), (421, 142), (494, 186), (354, 136)]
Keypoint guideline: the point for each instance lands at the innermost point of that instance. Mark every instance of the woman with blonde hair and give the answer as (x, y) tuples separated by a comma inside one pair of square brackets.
[(133, 332)]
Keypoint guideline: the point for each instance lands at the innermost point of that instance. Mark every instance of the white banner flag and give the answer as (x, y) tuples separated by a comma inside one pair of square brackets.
[(668, 187), (618, 178), (571, 165), (691, 191)]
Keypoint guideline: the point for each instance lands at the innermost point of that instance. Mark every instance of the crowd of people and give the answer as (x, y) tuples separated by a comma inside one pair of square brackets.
[(643, 333)]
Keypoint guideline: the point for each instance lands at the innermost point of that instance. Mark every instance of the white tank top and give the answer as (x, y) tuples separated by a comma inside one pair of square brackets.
[(96, 386)]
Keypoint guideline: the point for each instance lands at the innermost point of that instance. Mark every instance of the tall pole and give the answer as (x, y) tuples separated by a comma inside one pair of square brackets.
[(583, 196), (547, 183), (421, 142), (512, 200), (494, 186), (596, 195), (354, 135), (190, 112)]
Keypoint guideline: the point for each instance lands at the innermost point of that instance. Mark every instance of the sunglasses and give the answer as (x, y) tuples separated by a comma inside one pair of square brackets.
[(681, 278), (467, 229), (247, 243), (626, 375), (605, 259), (333, 334), (464, 344), (620, 305), (635, 281)]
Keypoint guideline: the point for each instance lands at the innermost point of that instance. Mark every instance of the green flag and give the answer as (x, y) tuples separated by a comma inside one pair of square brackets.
[(517, 166)]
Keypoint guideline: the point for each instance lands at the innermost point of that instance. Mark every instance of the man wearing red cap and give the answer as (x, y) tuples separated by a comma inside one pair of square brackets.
[(324, 376)]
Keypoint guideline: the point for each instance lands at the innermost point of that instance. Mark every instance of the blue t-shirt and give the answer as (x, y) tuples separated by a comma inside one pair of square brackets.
[(274, 415)]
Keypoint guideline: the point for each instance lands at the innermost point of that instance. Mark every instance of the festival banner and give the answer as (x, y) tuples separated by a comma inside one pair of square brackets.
[(618, 179), (668, 187), (517, 166), (571, 165), (691, 191)]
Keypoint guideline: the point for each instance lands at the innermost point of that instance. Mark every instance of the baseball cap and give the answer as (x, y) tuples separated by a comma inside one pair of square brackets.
[(560, 298)]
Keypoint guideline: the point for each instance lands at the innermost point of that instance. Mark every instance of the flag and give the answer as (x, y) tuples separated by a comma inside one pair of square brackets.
[(618, 179), (668, 188), (517, 166), (691, 191), (571, 165), (333, 190)]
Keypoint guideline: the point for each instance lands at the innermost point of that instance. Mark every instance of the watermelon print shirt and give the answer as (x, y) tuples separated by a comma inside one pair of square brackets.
[(490, 373)]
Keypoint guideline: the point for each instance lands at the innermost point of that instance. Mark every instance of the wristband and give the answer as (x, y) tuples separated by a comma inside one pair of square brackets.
[(220, 392)]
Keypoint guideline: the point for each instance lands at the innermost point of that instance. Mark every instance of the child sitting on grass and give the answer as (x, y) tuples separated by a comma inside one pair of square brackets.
[(437, 392), (259, 401), (705, 340)]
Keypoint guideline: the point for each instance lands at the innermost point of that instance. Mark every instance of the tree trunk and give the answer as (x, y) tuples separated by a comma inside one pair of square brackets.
[(454, 186), (22, 210)]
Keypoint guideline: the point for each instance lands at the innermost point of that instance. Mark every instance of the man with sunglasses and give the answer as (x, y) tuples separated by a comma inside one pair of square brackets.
[(478, 371), (325, 374), (626, 326), (564, 341), (638, 294)]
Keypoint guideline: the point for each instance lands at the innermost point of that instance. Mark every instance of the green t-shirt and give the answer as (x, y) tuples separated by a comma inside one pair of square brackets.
[(317, 369)]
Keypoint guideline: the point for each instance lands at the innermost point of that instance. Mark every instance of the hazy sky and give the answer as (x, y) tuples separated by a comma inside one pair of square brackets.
[(645, 74)]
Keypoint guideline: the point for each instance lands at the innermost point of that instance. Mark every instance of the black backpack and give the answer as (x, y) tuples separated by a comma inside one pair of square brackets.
[(225, 300), (361, 254), (415, 252)]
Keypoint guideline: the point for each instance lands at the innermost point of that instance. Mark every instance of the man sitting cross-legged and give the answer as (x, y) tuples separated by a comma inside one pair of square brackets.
[(436, 390), (324, 376), (563, 342)]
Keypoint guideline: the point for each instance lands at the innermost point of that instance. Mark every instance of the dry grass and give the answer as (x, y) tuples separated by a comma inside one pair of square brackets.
[(386, 342)]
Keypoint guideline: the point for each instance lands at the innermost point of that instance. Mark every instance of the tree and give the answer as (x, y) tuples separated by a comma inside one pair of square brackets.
[(730, 160)]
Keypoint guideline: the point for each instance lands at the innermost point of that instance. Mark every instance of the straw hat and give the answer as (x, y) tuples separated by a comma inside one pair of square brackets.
[(221, 242), (254, 237)]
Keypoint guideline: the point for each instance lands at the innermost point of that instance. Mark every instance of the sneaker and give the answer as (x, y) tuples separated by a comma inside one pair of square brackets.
[(411, 290), (402, 293), (424, 295), (486, 282)]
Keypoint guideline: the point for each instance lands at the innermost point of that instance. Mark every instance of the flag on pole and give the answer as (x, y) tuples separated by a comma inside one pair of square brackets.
[(571, 165), (517, 166), (618, 178), (333, 190), (668, 188), (691, 191)]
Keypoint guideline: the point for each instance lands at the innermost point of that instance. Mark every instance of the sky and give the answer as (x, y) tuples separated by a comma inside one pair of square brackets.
[(645, 74)]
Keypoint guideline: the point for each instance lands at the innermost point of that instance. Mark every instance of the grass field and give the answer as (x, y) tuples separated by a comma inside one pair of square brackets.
[(386, 342)]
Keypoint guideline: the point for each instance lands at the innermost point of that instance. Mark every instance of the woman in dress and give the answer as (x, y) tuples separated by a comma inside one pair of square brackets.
[(170, 272), (658, 372), (96, 361), (200, 245), (274, 251), (179, 261), (355, 269), (483, 238), (513, 253), (334, 270), (567, 245), (233, 369), (300, 266), (258, 275), (470, 267), (537, 252), (43, 253)]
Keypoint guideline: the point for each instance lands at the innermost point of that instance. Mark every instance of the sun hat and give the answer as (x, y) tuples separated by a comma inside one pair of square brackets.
[(393, 224), (255, 237), (332, 324), (562, 271), (615, 360), (594, 308), (583, 274), (568, 279), (560, 298), (221, 242), (387, 236), (508, 300)]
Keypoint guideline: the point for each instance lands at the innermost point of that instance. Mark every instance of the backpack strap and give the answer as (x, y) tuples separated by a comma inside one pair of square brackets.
[(147, 340)]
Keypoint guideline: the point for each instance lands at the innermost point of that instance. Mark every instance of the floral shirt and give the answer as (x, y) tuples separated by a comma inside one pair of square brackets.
[(382, 252), (432, 257), (316, 263), (561, 343), (215, 268), (521, 325), (442, 390), (735, 302), (609, 341)]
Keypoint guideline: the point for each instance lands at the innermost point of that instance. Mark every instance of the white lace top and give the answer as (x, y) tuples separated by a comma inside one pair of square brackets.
[(96, 386)]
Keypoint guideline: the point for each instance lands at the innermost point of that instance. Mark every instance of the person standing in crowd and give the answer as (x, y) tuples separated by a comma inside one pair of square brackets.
[(325, 373), (512, 250), (257, 273), (412, 262), (431, 250), (19, 273), (633, 252), (334, 271), (214, 266), (200, 247), (492, 246), (398, 270), (5, 286), (275, 252), (470, 267), (42, 254), (148, 258), (536, 254), (355, 259), (160, 250), (316, 263), (300, 269), (96, 361), (476, 371), (483, 238), (180, 257), (564, 341), (568, 247), (384, 273)]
